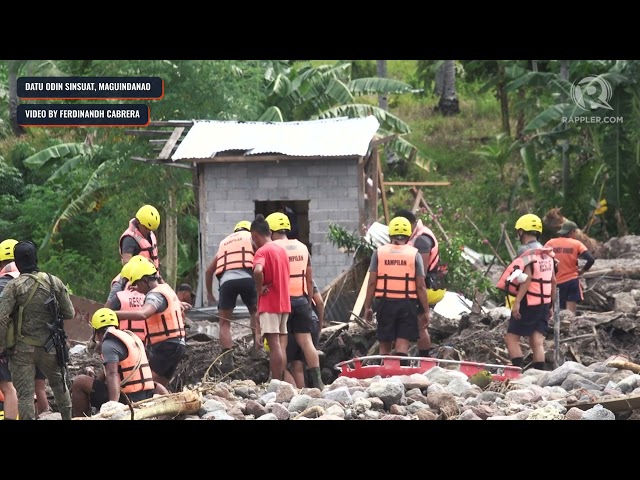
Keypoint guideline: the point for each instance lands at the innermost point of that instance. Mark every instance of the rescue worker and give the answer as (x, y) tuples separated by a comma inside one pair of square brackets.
[(295, 356), (165, 323), (396, 280), (531, 279), (426, 242), (140, 239), (129, 299), (185, 294), (271, 274), (9, 271), (300, 322), (23, 300), (568, 249), (126, 376), (232, 266)]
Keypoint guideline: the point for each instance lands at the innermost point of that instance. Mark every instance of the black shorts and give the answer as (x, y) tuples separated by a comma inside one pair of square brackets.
[(229, 291), (164, 357), (294, 352), (100, 395), (397, 319), (570, 291), (5, 374), (532, 319), (300, 319)]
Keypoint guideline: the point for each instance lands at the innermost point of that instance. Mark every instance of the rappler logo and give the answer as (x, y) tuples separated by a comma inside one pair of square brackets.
[(591, 93)]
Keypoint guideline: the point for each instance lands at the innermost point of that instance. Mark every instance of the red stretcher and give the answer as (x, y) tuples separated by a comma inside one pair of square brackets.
[(389, 366)]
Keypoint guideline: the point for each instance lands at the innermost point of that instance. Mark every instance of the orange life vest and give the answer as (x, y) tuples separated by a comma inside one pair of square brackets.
[(147, 249), (11, 270), (132, 300), (434, 254), (134, 370), (298, 254), (542, 265), (396, 271), (235, 251), (168, 324)]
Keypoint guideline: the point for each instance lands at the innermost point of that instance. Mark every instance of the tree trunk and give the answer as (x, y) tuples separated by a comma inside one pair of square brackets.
[(448, 104), (14, 101), (383, 101), (503, 97), (566, 165), (170, 264)]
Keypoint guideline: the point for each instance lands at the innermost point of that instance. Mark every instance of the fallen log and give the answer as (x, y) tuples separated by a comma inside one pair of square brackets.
[(614, 272), (187, 402), (615, 405), (624, 365)]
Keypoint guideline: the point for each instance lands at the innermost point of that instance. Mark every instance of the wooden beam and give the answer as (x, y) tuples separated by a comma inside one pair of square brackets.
[(417, 192), (375, 143), (418, 184), (357, 307), (157, 162), (373, 200), (171, 143), (384, 193), (416, 204), (263, 158), (148, 132)]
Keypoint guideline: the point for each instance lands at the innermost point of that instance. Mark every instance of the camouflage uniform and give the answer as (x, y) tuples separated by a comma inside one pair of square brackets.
[(25, 355)]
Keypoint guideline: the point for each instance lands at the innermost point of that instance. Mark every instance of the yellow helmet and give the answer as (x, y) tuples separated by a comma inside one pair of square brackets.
[(399, 226), (242, 225), (278, 221), (6, 249), (104, 317), (139, 269), (126, 268), (529, 223), (149, 217)]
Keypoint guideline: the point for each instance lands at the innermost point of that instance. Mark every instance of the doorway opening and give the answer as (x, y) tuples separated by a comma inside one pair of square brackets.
[(296, 210)]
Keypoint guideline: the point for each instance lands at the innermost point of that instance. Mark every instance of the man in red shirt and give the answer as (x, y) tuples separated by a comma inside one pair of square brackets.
[(568, 249), (271, 274)]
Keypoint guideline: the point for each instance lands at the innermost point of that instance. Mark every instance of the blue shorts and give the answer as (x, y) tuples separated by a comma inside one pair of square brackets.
[(570, 291)]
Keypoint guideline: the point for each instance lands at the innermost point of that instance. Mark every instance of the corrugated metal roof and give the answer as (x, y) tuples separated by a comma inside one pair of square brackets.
[(335, 137)]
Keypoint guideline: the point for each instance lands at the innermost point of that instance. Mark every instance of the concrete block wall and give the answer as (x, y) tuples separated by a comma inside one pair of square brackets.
[(331, 186)]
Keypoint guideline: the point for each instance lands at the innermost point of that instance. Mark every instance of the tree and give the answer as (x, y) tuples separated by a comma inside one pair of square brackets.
[(448, 104)]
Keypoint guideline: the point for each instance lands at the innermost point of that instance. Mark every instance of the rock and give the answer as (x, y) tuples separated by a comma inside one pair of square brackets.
[(254, 408), (574, 413), (598, 412), (425, 414), (545, 413), (340, 395), (389, 392), (279, 411), (268, 416), (299, 402)]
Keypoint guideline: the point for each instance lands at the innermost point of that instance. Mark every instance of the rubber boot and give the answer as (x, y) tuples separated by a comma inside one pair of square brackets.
[(65, 413), (315, 375)]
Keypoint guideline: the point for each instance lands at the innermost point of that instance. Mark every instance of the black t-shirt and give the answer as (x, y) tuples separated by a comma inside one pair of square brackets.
[(129, 245), (424, 243)]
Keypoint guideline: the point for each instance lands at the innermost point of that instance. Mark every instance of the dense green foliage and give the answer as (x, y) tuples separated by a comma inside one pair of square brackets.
[(72, 191)]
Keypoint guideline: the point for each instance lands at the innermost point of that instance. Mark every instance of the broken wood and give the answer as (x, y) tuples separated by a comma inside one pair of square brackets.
[(633, 273), (383, 188), (577, 337), (187, 402), (496, 354), (507, 243), (574, 354), (415, 191), (361, 321), (595, 335), (357, 307), (416, 203), (623, 365), (485, 238), (615, 405)]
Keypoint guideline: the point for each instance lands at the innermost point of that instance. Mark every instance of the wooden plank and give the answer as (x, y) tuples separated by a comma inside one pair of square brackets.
[(373, 201), (171, 143), (265, 158), (616, 405), (148, 132), (416, 191), (418, 184), (157, 162), (357, 307), (385, 207), (380, 141)]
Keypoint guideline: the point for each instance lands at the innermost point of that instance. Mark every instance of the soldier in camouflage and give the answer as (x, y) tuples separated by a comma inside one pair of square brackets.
[(29, 352)]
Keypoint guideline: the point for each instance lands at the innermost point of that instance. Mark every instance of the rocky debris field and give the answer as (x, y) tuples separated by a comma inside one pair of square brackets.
[(604, 330)]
